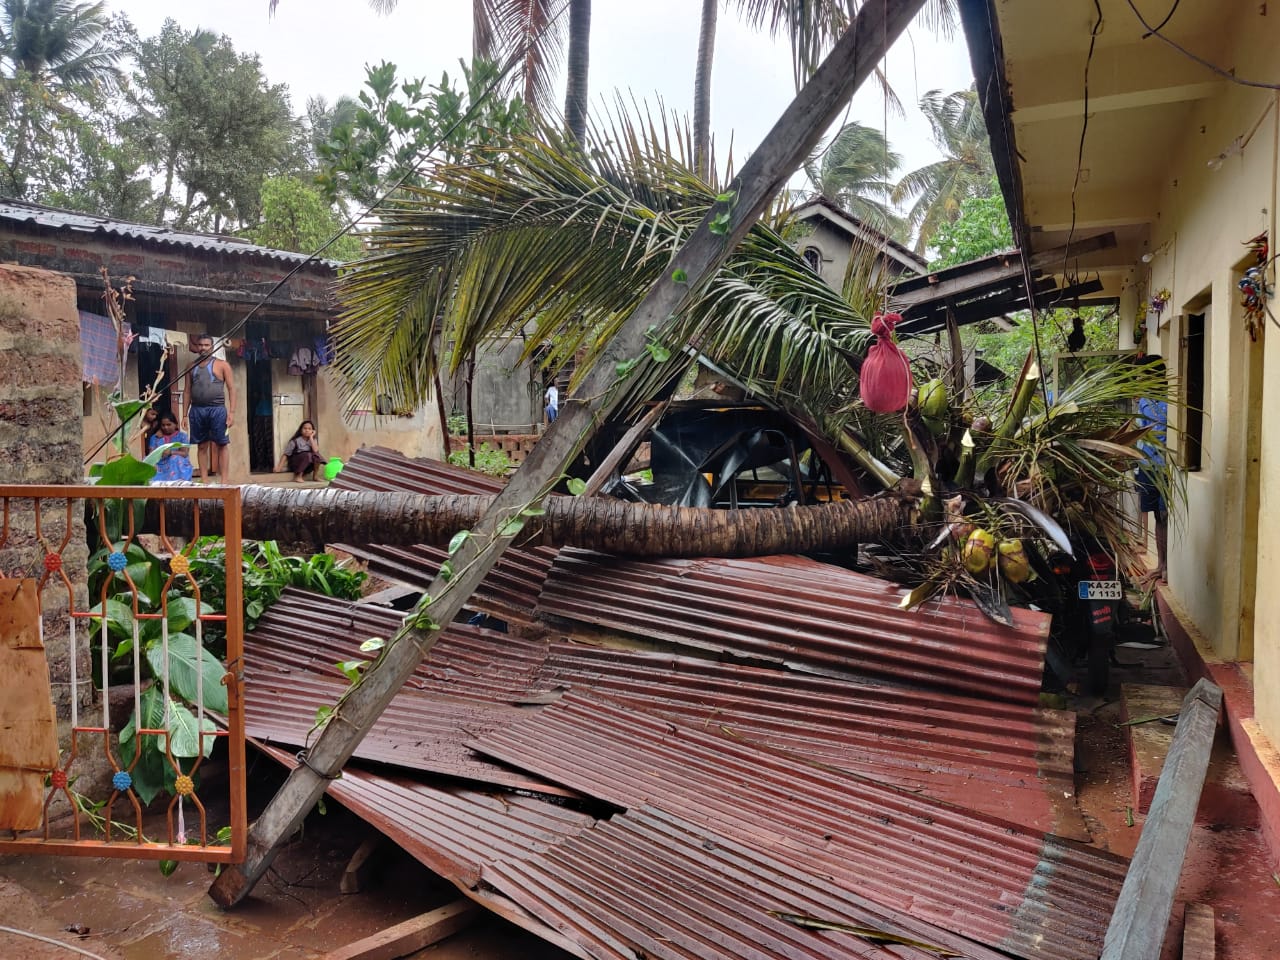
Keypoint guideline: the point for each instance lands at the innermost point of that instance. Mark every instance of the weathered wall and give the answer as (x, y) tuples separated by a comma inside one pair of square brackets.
[(507, 392), (40, 442), (342, 434), (1230, 528)]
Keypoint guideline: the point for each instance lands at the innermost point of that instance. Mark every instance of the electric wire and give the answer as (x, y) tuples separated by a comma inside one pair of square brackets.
[(57, 943), (1084, 129), (516, 58), (1225, 74), (1167, 17)]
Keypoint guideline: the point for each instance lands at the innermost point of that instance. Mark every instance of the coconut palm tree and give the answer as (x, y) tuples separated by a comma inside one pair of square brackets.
[(811, 27), (855, 170), (965, 170), (51, 49)]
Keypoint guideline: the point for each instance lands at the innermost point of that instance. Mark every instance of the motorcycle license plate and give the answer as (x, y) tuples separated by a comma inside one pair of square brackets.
[(1100, 590)]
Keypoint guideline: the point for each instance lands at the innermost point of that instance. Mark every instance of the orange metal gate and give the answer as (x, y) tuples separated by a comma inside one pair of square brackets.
[(148, 631)]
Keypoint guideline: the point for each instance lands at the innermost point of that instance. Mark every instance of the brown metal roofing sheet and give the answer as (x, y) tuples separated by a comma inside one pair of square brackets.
[(806, 615), (990, 880), (291, 671), (645, 883), (510, 590), (1010, 760), (457, 831)]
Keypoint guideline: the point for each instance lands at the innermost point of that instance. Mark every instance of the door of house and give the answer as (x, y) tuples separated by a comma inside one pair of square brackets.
[(261, 418)]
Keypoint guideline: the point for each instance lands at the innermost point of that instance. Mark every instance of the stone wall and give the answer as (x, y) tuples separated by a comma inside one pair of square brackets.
[(40, 442)]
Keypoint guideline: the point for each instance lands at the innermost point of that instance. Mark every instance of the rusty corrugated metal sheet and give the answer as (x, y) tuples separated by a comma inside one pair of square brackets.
[(648, 884), (806, 615), (457, 831), (291, 670), (1009, 760), (992, 881), (509, 592), (525, 850)]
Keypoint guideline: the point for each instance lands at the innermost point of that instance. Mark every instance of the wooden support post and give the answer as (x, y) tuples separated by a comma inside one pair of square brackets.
[(1199, 941), (1146, 900), (359, 869), (959, 381), (412, 935), (783, 150), (619, 454)]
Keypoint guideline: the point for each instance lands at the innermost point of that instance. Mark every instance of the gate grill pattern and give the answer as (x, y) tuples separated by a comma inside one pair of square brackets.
[(151, 633)]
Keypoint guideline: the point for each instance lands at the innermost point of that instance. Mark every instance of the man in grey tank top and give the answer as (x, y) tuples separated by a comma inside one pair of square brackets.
[(210, 402)]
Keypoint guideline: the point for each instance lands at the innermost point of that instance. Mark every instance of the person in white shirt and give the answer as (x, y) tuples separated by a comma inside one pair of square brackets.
[(552, 403)]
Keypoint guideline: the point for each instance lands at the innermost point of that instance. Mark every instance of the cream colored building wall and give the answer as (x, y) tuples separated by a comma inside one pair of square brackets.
[(1198, 244), (343, 434)]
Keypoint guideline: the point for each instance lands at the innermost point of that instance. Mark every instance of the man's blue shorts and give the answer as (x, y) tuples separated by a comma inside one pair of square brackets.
[(209, 424), (1149, 498)]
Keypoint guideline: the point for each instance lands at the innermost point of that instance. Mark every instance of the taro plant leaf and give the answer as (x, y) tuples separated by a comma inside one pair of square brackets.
[(126, 471), (182, 613), (119, 618), (184, 656), (183, 730), (148, 772)]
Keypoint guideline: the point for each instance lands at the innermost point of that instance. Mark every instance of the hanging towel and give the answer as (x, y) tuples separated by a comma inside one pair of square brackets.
[(98, 345)]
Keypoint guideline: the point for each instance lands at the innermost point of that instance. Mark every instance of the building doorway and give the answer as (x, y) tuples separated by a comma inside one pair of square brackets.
[(262, 453)]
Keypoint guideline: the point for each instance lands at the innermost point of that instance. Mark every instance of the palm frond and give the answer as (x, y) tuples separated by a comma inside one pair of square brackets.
[(534, 243)]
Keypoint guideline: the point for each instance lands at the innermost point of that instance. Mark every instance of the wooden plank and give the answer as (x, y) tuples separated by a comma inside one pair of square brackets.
[(782, 152), (625, 447), (1141, 917), (1199, 942), (361, 866), (28, 727), (412, 935)]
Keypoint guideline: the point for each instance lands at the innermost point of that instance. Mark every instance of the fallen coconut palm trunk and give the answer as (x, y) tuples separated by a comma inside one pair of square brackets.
[(634, 529)]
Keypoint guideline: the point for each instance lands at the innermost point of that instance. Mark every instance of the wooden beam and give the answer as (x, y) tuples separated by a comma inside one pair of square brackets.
[(623, 449), (1142, 912), (1199, 940), (726, 223), (361, 865), (412, 935)]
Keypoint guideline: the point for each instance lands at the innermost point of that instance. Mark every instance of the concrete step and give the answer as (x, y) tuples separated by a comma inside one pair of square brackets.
[(1225, 799)]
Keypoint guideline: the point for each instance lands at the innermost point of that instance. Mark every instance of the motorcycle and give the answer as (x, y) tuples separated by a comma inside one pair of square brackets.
[(1091, 617)]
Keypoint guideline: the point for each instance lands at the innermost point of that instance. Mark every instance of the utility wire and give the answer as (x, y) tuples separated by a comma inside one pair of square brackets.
[(1084, 128), (517, 57), (1225, 74)]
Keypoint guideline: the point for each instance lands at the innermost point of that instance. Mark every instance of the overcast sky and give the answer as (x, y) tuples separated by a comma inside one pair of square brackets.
[(320, 47)]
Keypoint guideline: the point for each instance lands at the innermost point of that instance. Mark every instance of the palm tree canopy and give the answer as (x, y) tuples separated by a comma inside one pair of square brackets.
[(57, 42), (855, 170), (539, 244), (965, 170)]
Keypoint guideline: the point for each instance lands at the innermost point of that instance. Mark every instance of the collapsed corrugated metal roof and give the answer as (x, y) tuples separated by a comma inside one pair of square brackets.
[(809, 749), (806, 615), (742, 764), (509, 592), (1010, 760), (52, 218)]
